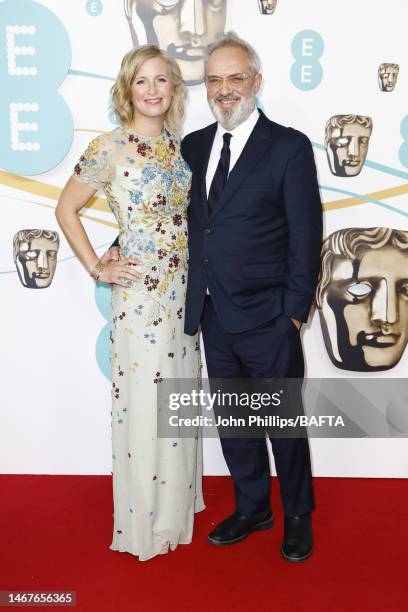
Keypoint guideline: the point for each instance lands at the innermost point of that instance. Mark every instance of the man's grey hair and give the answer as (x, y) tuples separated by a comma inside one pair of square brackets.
[(230, 39)]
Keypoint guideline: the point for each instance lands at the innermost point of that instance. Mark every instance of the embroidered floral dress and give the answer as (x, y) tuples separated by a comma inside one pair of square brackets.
[(156, 481)]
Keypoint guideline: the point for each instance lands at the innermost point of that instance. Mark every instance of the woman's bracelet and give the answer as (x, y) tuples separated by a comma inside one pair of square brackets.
[(97, 270)]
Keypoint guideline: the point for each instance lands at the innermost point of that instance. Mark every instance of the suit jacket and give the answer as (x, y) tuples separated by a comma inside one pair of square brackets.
[(259, 251)]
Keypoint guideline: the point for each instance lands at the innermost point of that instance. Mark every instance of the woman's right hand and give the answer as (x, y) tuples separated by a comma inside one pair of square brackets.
[(115, 271)]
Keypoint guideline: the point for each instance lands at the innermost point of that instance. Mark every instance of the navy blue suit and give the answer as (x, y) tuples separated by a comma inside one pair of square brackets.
[(259, 252), (259, 255)]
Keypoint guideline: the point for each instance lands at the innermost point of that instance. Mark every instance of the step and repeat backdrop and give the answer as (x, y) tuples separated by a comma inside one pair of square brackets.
[(336, 70)]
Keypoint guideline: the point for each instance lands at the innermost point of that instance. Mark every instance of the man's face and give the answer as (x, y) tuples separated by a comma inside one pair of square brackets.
[(365, 310), (183, 28), (231, 86), (388, 74), (347, 149), (267, 7), (36, 262)]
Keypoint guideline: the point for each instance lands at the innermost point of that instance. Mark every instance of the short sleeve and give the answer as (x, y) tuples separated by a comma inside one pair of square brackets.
[(96, 167)]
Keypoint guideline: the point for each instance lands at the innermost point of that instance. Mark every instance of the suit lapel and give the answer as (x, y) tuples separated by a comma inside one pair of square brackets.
[(252, 152), (201, 171)]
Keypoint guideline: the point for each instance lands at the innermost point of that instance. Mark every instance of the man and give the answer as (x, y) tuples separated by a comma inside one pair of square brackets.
[(346, 140), (255, 230), (362, 297), (35, 256), (182, 28)]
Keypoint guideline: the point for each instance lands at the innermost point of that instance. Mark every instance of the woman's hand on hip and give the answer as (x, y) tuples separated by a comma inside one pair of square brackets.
[(115, 272)]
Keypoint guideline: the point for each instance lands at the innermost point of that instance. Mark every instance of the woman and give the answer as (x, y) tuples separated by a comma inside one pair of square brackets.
[(156, 481)]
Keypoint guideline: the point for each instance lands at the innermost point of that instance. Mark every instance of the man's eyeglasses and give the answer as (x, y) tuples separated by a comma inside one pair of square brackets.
[(234, 81)]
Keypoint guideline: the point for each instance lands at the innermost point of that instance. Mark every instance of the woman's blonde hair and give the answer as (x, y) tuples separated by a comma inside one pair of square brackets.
[(121, 91)]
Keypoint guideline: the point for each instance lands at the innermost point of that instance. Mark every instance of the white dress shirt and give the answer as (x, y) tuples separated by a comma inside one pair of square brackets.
[(238, 141)]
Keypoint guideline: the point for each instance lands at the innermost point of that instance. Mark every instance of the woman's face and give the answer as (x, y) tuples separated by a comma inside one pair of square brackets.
[(152, 89)]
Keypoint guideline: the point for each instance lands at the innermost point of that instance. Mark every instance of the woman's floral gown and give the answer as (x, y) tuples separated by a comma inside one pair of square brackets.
[(156, 481)]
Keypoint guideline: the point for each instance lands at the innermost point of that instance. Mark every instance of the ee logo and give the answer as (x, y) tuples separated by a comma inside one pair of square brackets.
[(35, 55), (403, 152), (103, 295), (307, 49), (94, 7)]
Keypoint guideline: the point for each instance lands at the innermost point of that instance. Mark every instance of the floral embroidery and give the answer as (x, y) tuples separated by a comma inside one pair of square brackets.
[(115, 391), (147, 185)]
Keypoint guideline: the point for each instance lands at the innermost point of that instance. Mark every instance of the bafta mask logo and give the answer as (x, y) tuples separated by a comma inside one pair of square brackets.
[(35, 255), (387, 76), (267, 7), (362, 297), (182, 28), (346, 141)]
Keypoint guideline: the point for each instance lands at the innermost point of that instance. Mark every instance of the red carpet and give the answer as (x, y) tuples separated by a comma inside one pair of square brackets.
[(55, 532)]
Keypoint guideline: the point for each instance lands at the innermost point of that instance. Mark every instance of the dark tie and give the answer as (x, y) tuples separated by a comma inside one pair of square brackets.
[(221, 174)]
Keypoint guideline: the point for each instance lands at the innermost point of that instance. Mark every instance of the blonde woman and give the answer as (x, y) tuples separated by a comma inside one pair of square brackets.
[(156, 481)]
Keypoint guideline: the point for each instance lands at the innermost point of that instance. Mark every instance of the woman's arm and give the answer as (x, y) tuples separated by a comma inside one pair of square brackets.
[(74, 197)]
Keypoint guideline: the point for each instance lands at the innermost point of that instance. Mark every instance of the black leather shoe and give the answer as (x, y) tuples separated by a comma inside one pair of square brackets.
[(238, 526), (298, 539)]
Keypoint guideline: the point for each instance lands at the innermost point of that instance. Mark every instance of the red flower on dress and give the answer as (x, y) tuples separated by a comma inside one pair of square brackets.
[(142, 148), (174, 261)]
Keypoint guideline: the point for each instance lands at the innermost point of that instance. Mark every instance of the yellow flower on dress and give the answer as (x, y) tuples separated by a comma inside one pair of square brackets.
[(92, 149), (164, 284), (164, 243), (163, 154), (181, 242)]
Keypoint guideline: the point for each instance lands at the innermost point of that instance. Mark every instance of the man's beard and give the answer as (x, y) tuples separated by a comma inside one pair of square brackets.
[(230, 118)]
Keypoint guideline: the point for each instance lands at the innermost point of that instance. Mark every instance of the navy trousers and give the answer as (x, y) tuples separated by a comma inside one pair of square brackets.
[(272, 350)]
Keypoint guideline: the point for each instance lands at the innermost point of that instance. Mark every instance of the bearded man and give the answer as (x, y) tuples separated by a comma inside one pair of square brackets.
[(255, 234)]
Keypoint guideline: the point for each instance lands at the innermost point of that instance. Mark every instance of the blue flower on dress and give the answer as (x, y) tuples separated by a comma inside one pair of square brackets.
[(167, 178), (139, 309), (173, 295), (148, 174), (149, 247), (135, 196), (130, 160)]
